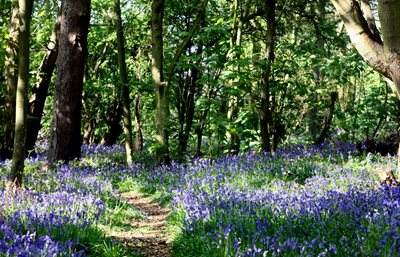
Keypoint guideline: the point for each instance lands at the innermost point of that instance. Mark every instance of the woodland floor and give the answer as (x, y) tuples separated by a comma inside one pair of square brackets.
[(149, 236)]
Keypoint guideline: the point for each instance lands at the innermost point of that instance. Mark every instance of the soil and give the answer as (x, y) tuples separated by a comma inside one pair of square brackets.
[(148, 236)]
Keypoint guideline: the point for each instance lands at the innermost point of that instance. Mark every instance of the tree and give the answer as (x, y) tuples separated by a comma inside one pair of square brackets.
[(382, 55), (11, 76), (66, 139), (41, 88), (17, 167), (138, 128), (266, 111), (123, 83), (240, 13), (160, 86), (186, 67)]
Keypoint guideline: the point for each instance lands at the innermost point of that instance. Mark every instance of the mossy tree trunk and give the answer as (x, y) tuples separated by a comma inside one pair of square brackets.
[(123, 76), (160, 86), (17, 167)]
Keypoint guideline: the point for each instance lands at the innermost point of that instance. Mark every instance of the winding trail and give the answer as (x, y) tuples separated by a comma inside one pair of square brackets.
[(150, 235)]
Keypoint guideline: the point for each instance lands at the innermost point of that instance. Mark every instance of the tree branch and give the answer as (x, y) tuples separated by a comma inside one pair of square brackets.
[(184, 44), (367, 44)]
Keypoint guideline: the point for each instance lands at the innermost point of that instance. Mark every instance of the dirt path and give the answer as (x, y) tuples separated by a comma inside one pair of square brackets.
[(149, 236)]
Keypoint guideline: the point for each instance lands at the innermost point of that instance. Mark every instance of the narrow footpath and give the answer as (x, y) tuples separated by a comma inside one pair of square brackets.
[(149, 236)]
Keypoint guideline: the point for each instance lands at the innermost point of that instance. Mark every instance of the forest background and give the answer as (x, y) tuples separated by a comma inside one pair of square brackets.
[(259, 102), (220, 77)]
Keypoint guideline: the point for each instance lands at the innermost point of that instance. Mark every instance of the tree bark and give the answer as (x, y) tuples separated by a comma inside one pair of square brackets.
[(265, 111), (382, 56), (126, 110), (139, 134), (186, 98), (40, 90), (390, 20), (66, 138), (160, 86), (240, 14), (367, 43), (370, 19), (88, 134), (17, 167), (11, 76), (328, 119)]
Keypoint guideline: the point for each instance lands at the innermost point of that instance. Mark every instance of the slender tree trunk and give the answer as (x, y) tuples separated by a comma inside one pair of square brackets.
[(40, 90), (17, 167), (124, 84), (139, 134), (186, 96), (313, 120), (11, 76), (265, 112), (160, 86), (181, 95), (88, 134), (328, 119), (239, 14), (199, 133), (66, 138), (195, 76), (100, 60)]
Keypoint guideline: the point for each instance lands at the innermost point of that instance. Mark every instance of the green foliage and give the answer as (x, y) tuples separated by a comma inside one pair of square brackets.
[(307, 42)]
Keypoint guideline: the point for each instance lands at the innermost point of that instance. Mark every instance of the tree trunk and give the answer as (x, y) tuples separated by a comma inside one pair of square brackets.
[(17, 167), (265, 112), (390, 21), (328, 119), (199, 132), (113, 122), (160, 87), (186, 96), (368, 44), (11, 76), (383, 56), (40, 90), (126, 114), (88, 134), (370, 19), (139, 134), (66, 138), (239, 15)]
